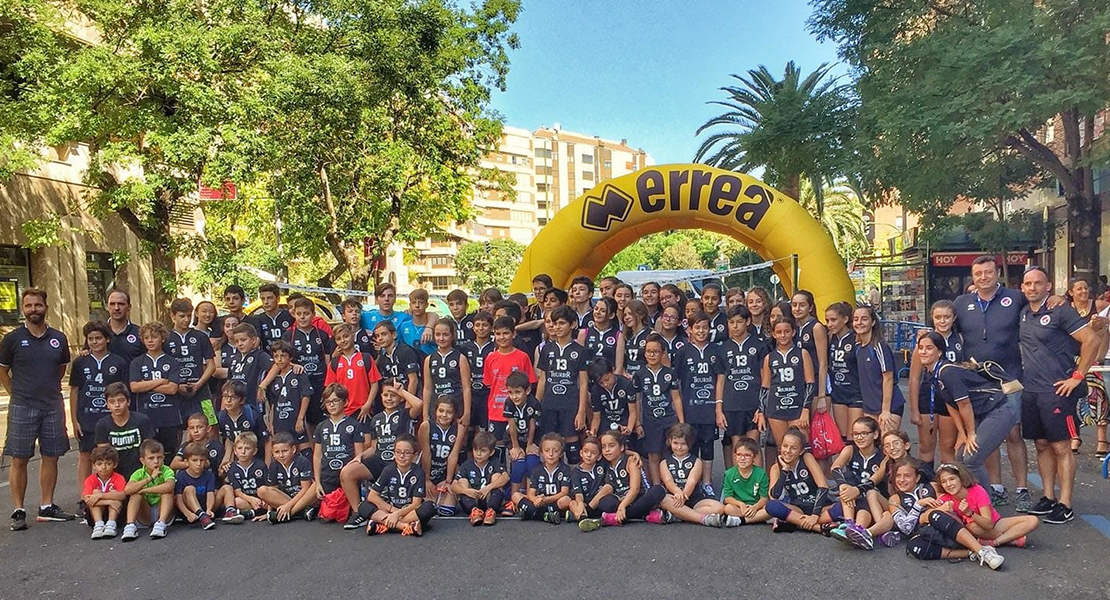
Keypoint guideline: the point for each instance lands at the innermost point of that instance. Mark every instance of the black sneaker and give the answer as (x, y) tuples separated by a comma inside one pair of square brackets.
[(54, 513), (1060, 514), (272, 517), (355, 521), (19, 520), (553, 517), (1043, 507), (309, 513)]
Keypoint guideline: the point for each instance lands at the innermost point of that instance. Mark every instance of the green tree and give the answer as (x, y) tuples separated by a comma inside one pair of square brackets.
[(480, 265), (948, 87), (682, 254), (792, 127)]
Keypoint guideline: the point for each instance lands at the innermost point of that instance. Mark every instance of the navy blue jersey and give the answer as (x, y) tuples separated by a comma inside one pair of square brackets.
[(399, 489), (922, 491), (214, 451), (742, 362), (364, 342), (385, 427), (843, 369), (248, 420), (613, 403), (203, 484), (479, 476), (1048, 350), (587, 482), (126, 343), (248, 478), (476, 356), (952, 384), (91, 375), (788, 382), (440, 443), (864, 467), (250, 369), (680, 468), (602, 344), (446, 380), (634, 350), (192, 350), (803, 337), (585, 319), (620, 477), (401, 364), (698, 369), (674, 344), (549, 483), (990, 327), (797, 486), (228, 353), (161, 408), (464, 327), (291, 478), (561, 366), (337, 442), (311, 350), (286, 394), (34, 363), (873, 360), (655, 389), (271, 329), (718, 327), (521, 418)]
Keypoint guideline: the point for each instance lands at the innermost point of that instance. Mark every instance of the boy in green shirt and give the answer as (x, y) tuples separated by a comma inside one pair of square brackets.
[(745, 487), (150, 493)]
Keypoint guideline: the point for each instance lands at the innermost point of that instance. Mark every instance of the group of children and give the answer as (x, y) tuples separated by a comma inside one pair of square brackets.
[(598, 411)]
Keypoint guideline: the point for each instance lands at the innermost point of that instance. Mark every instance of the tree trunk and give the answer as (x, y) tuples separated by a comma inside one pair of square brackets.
[(792, 186), (1084, 225), (165, 272)]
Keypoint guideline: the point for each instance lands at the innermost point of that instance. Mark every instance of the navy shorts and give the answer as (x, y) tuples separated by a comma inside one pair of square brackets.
[(843, 399), (497, 428), (705, 436), (739, 423), (654, 438), (479, 407), (26, 425), (696, 497), (87, 441), (554, 420), (1046, 416)]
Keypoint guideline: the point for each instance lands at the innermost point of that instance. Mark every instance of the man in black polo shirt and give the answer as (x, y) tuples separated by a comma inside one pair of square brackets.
[(988, 319), (1051, 339), (33, 359), (125, 340)]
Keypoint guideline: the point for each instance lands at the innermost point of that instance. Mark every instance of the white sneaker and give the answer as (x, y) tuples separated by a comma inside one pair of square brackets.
[(98, 530), (130, 532), (158, 530), (713, 520), (110, 529), (733, 521), (990, 557)]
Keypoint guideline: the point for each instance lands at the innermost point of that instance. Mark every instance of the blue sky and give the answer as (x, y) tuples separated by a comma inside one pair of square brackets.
[(644, 70)]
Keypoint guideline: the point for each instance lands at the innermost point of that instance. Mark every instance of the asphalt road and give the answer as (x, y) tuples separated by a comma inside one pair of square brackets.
[(515, 559)]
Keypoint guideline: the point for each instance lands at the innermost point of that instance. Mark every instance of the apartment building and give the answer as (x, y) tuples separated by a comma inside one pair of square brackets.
[(552, 167)]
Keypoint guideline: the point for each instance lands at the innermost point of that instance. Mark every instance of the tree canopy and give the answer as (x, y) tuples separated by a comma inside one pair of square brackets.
[(480, 265)]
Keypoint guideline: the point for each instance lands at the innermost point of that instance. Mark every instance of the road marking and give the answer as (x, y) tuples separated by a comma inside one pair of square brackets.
[(1099, 522)]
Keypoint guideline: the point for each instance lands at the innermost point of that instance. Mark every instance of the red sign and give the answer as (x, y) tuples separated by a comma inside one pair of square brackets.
[(964, 259), (226, 191)]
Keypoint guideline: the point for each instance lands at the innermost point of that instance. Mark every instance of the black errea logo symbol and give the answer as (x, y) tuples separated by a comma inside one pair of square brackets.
[(600, 211)]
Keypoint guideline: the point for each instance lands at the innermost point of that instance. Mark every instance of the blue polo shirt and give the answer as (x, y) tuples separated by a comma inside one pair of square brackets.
[(990, 327), (1048, 349), (372, 317)]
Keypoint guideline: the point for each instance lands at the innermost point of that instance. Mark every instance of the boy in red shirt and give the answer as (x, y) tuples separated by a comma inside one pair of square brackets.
[(103, 493), (498, 366), (356, 372)]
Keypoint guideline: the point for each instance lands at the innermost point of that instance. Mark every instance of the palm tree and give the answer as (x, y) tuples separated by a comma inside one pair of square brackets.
[(842, 216), (792, 128)]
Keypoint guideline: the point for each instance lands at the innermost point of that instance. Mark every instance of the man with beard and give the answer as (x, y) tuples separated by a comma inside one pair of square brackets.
[(33, 359)]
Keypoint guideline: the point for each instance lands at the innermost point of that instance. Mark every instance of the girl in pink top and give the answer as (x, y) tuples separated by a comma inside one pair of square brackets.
[(969, 502)]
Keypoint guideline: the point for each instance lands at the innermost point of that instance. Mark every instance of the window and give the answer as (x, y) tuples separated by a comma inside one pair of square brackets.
[(15, 276), (541, 188), (587, 159), (543, 152), (542, 221), (102, 273), (439, 282), (608, 164), (588, 175), (440, 261), (543, 170)]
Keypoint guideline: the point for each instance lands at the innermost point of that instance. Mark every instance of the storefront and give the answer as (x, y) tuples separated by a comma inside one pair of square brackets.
[(15, 276), (950, 272)]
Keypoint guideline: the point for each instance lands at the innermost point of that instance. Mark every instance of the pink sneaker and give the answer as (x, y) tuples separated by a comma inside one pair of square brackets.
[(655, 516), (610, 520)]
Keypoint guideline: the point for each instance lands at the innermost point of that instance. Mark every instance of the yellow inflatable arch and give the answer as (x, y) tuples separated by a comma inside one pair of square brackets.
[(585, 234)]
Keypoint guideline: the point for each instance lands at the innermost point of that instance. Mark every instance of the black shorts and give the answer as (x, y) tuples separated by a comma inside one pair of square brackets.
[(27, 424), (479, 407), (939, 408), (87, 441), (814, 507), (497, 428), (1046, 416), (705, 436), (329, 480), (843, 399), (560, 421), (739, 423), (654, 438), (898, 412), (696, 497), (375, 464), (170, 437)]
